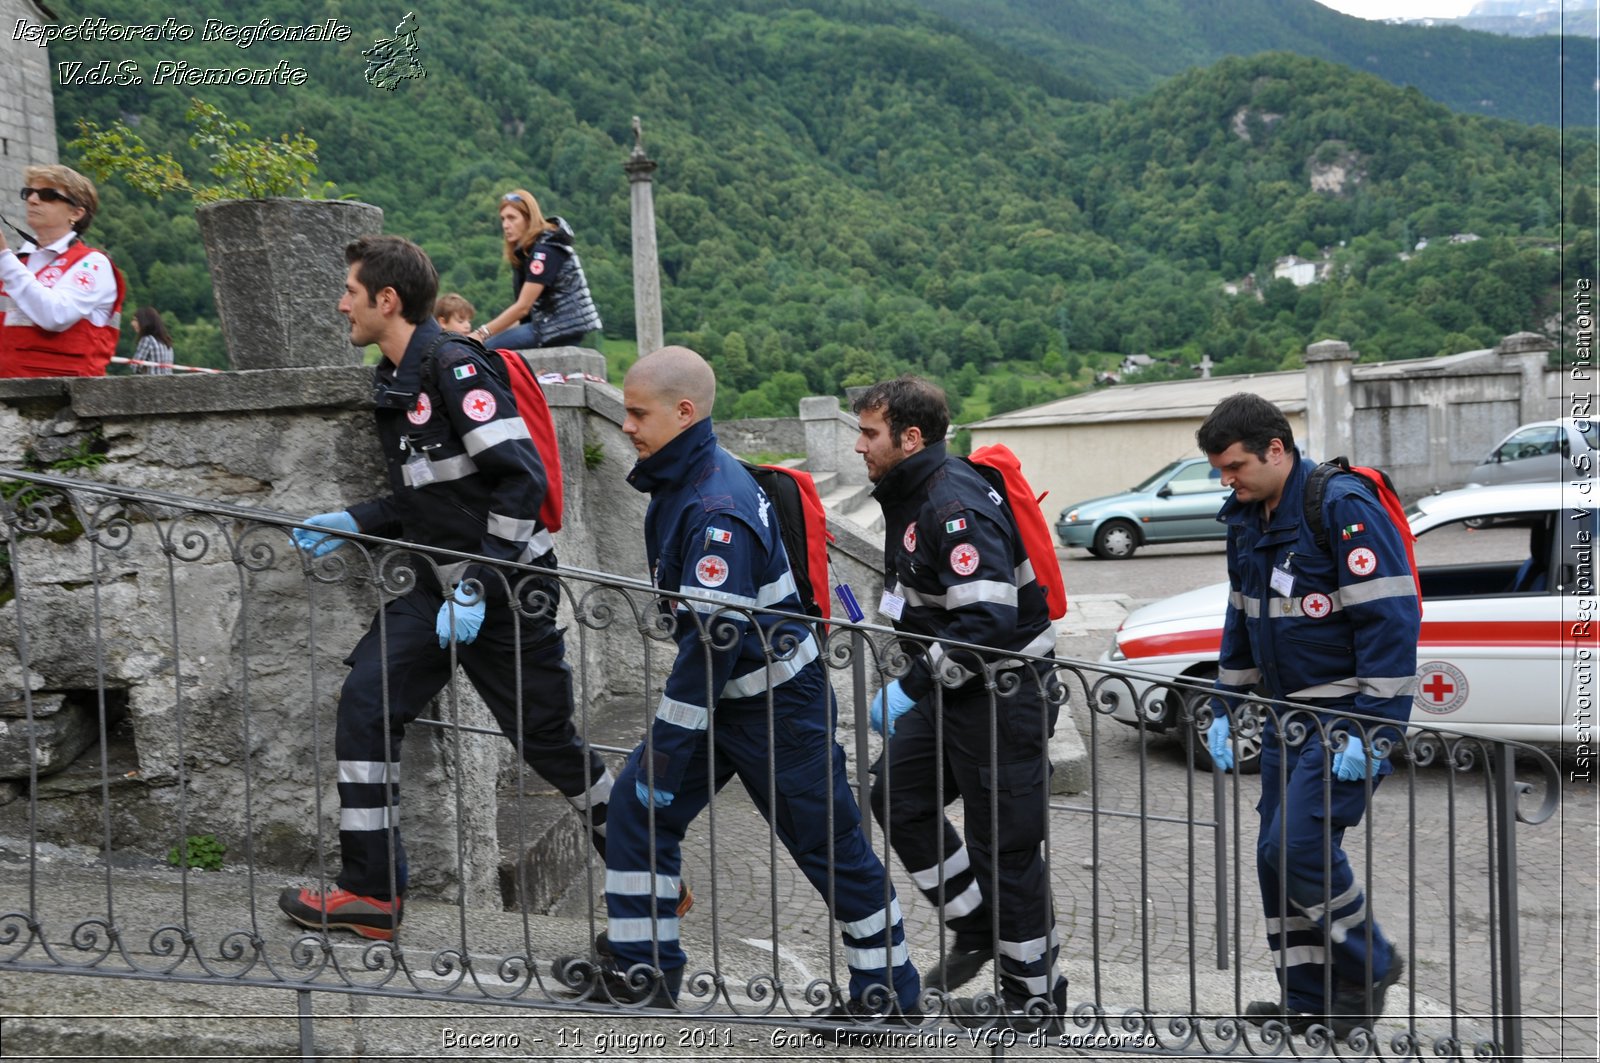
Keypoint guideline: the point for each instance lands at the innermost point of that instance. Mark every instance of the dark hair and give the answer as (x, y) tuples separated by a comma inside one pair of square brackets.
[(908, 402), (148, 320), (1245, 418), (395, 262)]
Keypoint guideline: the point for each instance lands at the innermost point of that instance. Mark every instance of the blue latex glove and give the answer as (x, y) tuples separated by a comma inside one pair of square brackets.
[(649, 796), (317, 543), (899, 703), (1217, 742), (461, 619), (1352, 763)]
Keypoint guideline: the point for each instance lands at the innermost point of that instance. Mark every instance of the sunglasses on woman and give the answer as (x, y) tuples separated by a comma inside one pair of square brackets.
[(48, 195)]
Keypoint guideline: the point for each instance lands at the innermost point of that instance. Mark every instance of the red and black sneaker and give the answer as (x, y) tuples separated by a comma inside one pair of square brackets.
[(342, 910)]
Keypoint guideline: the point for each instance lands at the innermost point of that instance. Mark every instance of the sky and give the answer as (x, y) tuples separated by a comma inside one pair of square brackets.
[(1402, 8)]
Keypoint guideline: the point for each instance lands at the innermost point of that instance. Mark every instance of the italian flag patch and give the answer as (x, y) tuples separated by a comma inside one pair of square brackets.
[(465, 370), (957, 525), (1351, 530)]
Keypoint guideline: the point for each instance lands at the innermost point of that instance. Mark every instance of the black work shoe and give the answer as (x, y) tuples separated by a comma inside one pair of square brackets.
[(960, 964), (985, 1013), (606, 982), (1349, 1011), (1261, 1012), (858, 1023)]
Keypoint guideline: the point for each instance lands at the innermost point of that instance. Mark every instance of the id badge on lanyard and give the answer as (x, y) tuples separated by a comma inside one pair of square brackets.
[(1282, 580)]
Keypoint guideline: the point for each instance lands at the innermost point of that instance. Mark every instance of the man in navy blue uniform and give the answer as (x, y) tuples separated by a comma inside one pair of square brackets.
[(955, 571), (715, 553), (464, 476), (1335, 628)]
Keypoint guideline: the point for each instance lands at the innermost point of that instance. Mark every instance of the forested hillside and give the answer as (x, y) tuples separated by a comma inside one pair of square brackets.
[(852, 187), (1128, 48)]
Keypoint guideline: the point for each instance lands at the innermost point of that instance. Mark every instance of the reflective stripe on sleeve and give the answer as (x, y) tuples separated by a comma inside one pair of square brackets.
[(682, 714), (754, 682), (510, 528), (1374, 590), (494, 433)]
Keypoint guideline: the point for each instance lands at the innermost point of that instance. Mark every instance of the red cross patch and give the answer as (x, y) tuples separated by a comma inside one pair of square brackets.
[(1361, 562), (909, 540), (1441, 687), (422, 411), (83, 280), (538, 265), (478, 405), (1316, 606), (964, 559), (711, 571)]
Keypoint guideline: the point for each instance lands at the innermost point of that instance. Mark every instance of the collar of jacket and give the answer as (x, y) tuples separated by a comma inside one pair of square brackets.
[(396, 382), (904, 479), (672, 464), (1286, 516)]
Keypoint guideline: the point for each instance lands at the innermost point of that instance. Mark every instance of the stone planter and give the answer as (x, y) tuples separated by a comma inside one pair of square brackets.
[(277, 270)]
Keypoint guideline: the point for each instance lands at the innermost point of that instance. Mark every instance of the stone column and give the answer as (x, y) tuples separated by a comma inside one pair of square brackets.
[(277, 271), (1527, 352), (831, 440), (646, 263), (1330, 410), (27, 106)]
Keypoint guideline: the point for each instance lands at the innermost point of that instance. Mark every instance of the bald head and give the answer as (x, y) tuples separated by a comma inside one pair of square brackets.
[(673, 374), (665, 393)]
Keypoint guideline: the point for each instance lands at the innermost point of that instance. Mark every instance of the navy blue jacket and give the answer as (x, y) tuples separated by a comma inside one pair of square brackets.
[(1345, 633), (484, 480), (951, 550), (710, 531)]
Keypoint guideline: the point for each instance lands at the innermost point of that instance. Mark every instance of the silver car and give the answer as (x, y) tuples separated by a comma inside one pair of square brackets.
[(1541, 452)]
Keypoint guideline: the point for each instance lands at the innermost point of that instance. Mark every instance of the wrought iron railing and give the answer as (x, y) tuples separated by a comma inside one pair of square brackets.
[(198, 630)]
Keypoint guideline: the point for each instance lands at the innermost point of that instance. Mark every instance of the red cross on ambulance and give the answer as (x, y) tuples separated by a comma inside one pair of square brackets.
[(1441, 687)]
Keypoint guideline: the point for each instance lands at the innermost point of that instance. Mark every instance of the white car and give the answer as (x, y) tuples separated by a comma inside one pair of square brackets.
[(1508, 589)]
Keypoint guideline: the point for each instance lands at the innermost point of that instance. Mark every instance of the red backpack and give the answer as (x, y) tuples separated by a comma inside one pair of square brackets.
[(531, 406), (803, 526), (542, 427), (1316, 490), (998, 465)]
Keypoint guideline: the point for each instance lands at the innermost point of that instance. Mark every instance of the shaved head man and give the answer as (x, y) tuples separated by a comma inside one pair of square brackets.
[(717, 561), (664, 393)]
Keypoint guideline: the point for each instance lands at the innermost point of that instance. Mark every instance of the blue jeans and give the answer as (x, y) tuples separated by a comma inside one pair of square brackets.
[(526, 337)]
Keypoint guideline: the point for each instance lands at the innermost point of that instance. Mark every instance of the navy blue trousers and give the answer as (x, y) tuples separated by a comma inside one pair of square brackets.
[(396, 670), (1316, 912), (807, 799)]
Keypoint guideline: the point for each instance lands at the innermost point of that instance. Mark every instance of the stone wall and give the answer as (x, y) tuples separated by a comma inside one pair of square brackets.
[(762, 435), (202, 631), (27, 106)]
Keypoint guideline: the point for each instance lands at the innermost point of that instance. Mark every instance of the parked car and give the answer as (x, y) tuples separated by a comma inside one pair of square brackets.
[(1501, 568), (1541, 452), (1177, 505)]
